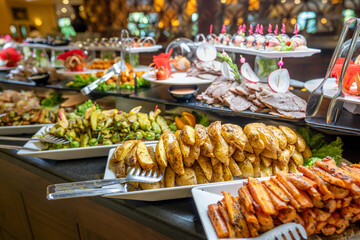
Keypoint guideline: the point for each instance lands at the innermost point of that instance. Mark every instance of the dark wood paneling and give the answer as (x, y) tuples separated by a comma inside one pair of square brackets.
[(12, 212), (25, 196)]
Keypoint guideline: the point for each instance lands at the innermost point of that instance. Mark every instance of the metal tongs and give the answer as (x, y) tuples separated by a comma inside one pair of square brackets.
[(94, 187), (114, 69), (317, 95)]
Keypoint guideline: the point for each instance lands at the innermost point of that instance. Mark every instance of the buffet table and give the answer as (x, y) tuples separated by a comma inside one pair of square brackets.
[(27, 213)]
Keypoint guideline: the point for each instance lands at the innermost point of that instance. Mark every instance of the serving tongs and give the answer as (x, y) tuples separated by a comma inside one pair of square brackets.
[(114, 69), (94, 187), (45, 138), (317, 95), (336, 104)]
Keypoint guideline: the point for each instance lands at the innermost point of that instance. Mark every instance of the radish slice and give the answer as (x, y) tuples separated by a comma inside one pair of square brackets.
[(279, 80), (206, 52), (225, 70), (248, 73)]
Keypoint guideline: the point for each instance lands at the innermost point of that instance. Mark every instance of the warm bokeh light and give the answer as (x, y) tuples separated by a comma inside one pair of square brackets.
[(65, 1), (223, 1), (38, 22), (81, 8), (293, 21), (175, 22), (323, 20), (254, 5), (160, 24), (158, 5), (297, 1), (239, 21), (191, 7), (63, 10), (226, 21)]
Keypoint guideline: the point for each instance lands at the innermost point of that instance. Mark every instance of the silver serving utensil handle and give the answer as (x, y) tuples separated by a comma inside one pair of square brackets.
[(336, 105), (3, 146), (317, 95), (91, 87), (83, 193)]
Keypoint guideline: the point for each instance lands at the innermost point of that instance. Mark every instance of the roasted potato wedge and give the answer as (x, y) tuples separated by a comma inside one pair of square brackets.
[(173, 153), (200, 135), (227, 173), (120, 169), (269, 154), (307, 153), (143, 157), (232, 149), (266, 162), (123, 150), (131, 158), (160, 153), (298, 158), (292, 166), (185, 148), (214, 161), (221, 147), (280, 136), (217, 175), (194, 154), (284, 157), (169, 177), (300, 143), (206, 166), (187, 134), (207, 149), (251, 157), (248, 147), (265, 171), (234, 135), (188, 178), (239, 156), (290, 134), (155, 185), (200, 176), (291, 149), (234, 168), (276, 167), (246, 168)]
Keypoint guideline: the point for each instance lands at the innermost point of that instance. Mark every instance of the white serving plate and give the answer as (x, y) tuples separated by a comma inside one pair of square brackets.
[(211, 193), (330, 89), (153, 194), (22, 129), (268, 54), (178, 78), (66, 154)]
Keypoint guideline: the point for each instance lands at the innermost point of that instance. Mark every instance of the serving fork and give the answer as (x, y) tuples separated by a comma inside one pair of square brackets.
[(45, 138), (336, 104), (288, 231), (317, 95), (93, 187)]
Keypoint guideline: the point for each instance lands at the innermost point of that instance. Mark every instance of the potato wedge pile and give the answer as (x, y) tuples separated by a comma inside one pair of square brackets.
[(325, 199), (221, 152)]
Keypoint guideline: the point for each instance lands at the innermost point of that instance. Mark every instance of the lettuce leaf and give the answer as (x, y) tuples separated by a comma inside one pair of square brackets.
[(319, 148)]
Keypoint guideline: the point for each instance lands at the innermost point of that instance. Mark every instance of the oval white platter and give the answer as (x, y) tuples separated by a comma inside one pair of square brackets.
[(330, 89), (178, 78)]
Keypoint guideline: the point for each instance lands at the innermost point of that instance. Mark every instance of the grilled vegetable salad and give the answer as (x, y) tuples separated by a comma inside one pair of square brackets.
[(95, 126)]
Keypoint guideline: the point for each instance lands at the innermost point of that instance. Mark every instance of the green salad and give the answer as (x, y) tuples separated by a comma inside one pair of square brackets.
[(319, 147)]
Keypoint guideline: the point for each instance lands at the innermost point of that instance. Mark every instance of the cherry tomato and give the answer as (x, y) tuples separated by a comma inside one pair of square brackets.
[(78, 68), (161, 74)]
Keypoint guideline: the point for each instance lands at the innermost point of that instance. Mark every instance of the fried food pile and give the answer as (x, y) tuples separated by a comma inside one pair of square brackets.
[(218, 153), (324, 199), (23, 108)]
